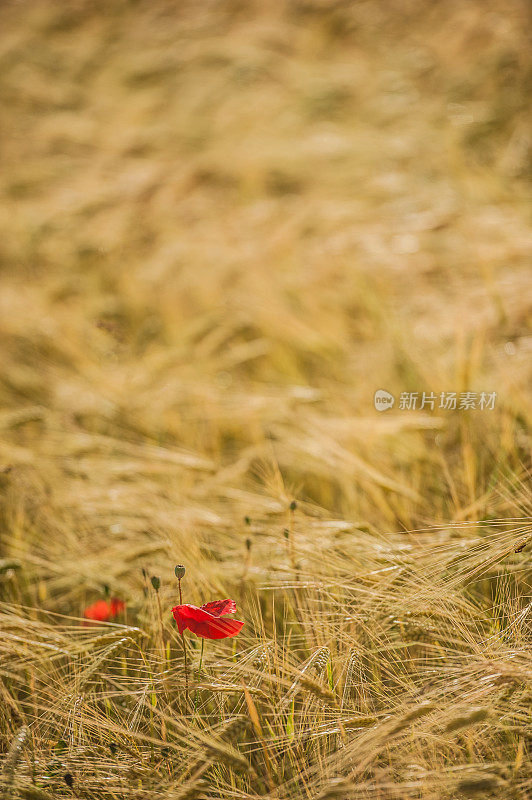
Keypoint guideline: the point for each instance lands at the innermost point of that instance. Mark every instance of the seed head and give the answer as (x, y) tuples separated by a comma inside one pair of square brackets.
[(179, 571)]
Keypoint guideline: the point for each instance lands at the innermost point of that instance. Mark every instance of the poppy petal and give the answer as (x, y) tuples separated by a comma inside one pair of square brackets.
[(179, 618), (116, 606), (220, 607), (204, 624), (216, 629), (101, 610), (98, 611)]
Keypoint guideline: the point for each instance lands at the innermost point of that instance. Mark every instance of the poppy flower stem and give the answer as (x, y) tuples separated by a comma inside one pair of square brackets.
[(161, 629), (184, 644), (156, 583), (199, 672), (201, 657)]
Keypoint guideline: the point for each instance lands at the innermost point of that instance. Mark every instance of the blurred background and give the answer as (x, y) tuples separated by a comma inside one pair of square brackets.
[(224, 225)]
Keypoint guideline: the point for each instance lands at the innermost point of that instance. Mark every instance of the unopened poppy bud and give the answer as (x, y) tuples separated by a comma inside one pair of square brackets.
[(248, 543), (156, 582), (179, 571), (286, 533), (247, 520), (293, 505)]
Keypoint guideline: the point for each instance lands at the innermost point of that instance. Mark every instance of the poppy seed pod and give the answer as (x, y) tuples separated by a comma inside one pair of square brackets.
[(179, 571)]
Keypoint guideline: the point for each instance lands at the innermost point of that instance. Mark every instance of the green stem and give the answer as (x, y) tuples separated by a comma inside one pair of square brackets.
[(201, 657), (184, 646), (161, 629), (199, 672)]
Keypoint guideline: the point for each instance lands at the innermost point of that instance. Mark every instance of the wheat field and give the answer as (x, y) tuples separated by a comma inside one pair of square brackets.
[(225, 224)]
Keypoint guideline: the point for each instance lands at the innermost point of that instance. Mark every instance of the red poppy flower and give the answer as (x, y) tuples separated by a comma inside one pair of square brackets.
[(206, 622), (101, 610)]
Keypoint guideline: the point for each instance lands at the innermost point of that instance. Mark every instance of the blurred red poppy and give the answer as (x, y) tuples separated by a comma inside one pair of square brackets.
[(101, 610), (205, 621)]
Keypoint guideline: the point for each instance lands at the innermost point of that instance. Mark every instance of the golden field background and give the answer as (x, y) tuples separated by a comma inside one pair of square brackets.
[(223, 226)]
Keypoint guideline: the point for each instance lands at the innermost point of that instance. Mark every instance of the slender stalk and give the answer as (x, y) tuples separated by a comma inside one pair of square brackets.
[(199, 673), (201, 658), (161, 630), (184, 645)]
